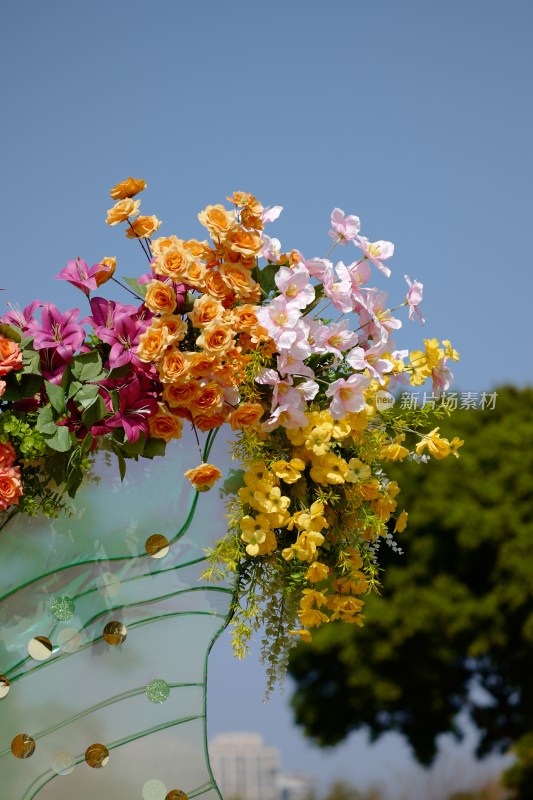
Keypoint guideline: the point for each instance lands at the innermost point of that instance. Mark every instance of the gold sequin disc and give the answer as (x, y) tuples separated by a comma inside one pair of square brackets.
[(40, 648), (157, 545), (115, 632), (97, 755), (23, 746), (176, 794), (4, 686)]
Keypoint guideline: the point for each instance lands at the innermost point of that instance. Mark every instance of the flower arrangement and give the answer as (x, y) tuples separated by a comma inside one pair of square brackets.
[(294, 354)]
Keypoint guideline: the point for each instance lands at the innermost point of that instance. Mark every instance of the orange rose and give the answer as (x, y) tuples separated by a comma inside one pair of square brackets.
[(205, 310), (10, 487), (237, 278), (203, 477), (215, 286), (106, 270), (143, 227), (165, 425), (128, 188), (206, 422), (245, 242), (175, 327), (201, 365), (197, 249), (160, 297), (152, 344), (7, 455), (245, 415), (250, 220), (216, 338), (164, 243), (208, 399), (217, 220), (173, 263), (172, 366), (244, 317), (10, 356), (196, 275), (180, 394), (122, 210)]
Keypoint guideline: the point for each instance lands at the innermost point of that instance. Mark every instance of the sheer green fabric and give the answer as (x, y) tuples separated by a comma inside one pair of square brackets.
[(66, 580)]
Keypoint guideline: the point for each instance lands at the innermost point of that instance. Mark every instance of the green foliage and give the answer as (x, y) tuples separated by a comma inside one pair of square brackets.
[(456, 610)]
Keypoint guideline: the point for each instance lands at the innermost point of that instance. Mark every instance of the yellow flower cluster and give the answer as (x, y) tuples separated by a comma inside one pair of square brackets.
[(308, 509)]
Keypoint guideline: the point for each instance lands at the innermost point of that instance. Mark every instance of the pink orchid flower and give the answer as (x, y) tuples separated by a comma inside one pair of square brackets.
[(294, 285), (347, 395), (271, 213), (335, 338), (280, 319), (376, 252), (344, 228), (414, 298), (338, 287)]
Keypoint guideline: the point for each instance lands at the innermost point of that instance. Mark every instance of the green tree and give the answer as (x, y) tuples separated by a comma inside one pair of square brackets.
[(454, 627)]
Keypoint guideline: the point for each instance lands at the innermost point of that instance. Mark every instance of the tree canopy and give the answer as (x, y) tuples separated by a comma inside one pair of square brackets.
[(453, 629)]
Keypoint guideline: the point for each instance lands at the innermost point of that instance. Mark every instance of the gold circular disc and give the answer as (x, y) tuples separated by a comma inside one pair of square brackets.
[(23, 746), (157, 545), (176, 794), (4, 686), (40, 648), (97, 756), (115, 632)]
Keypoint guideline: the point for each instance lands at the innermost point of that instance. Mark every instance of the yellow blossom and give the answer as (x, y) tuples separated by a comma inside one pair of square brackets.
[(395, 451), (449, 351), (312, 617), (306, 545), (401, 522), (329, 469), (317, 572), (357, 471), (288, 471), (439, 448), (304, 635), (311, 598), (258, 478), (319, 438)]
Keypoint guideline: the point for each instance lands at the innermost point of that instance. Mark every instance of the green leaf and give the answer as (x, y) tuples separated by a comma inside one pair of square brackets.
[(86, 395), (133, 449), (86, 444), (138, 288), (56, 466), (31, 362), (121, 464), (45, 422), (56, 395), (60, 440), (8, 332), (266, 277), (154, 447), (87, 367), (94, 412), (74, 480)]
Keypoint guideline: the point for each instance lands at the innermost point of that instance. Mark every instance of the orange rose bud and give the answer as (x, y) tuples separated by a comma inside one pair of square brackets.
[(165, 425), (245, 415), (128, 188), (143, 227), (203, 477), (106, 270)]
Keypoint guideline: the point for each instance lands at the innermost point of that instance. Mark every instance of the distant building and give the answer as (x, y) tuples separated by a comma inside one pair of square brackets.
[(245, 768), (295, 787)]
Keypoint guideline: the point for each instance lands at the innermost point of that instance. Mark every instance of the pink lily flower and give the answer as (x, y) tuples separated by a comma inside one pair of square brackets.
[(317, 266), (57, 331), (21, 319), (79, 275), (338, 287), (271, 213), (374, 316), (376, 252), (344, 228), (124, 340), (105, 312), (414, 298), (271, 248), (280, 319), (294, 285), (135, 407), (347, 395), (335, 338)]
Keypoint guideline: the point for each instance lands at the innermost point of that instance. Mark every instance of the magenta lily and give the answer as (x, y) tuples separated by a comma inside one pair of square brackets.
[(135, 407), (124, 340), (57, 331), (77, 273)]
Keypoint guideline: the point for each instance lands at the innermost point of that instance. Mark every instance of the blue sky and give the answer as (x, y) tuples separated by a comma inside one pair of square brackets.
[(414, 115)]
